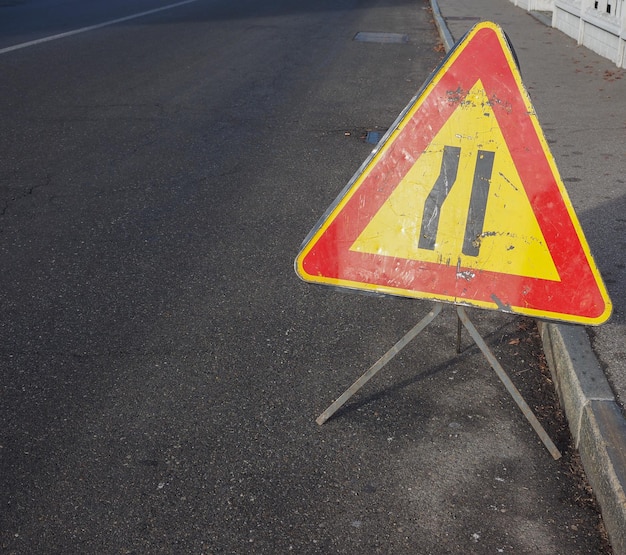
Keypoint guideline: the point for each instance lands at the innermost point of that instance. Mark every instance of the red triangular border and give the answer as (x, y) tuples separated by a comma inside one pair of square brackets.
[(579, 296)]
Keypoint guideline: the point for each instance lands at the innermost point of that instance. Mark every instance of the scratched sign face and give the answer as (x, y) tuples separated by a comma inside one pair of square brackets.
[(462, 202)]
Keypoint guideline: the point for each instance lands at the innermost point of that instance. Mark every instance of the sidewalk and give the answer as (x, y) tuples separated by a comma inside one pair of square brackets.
[(580, 99)]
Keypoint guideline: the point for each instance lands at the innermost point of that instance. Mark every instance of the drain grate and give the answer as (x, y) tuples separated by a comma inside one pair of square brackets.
[(382, 38)]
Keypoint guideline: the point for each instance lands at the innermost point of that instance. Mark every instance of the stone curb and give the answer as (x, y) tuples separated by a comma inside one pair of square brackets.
[(595, 420), (594, 417)]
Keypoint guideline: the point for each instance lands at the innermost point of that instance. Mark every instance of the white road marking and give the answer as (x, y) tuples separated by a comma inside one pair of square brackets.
[(92, 27)]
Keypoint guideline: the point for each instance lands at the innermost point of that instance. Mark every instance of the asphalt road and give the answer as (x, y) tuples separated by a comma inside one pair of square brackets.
[(161, 364)]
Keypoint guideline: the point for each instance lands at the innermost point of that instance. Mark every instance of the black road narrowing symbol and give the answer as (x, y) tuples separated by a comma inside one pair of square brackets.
[(441, 190)]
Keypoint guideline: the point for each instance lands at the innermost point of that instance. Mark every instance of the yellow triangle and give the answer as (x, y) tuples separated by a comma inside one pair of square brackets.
[(511, 241)]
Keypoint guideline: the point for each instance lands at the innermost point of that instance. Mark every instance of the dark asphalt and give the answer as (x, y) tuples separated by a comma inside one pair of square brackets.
[(161, 364)]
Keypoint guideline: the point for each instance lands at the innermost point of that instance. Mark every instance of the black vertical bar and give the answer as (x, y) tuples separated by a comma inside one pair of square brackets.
[(478, 203), (439, 193)]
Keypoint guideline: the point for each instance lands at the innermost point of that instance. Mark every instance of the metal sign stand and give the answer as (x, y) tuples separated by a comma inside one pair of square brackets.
[(493, 361)]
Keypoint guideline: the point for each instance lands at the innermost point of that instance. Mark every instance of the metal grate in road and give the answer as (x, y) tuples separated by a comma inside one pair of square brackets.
[(382, 38)]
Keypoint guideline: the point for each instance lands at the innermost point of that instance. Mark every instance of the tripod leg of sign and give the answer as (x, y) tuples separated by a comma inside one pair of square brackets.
[(504, 378), (493, 361), (411, 334)]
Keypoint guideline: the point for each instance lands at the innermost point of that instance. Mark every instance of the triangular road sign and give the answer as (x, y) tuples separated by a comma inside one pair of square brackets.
[(462, 202)]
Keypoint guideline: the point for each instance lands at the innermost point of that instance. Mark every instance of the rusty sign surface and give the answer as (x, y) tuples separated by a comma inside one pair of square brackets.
[(462, 202)]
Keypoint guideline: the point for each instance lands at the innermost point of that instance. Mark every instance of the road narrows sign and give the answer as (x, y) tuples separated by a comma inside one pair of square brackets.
[(462, 202)]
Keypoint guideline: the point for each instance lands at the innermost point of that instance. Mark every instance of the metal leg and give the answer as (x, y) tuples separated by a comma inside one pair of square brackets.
[(459, 327), (332, 409), (504, 378)]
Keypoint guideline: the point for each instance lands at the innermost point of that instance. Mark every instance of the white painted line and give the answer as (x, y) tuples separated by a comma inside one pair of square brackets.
[(92, 27)]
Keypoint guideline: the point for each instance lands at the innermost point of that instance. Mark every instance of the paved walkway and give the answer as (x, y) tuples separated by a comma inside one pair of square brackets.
[(580, 99)]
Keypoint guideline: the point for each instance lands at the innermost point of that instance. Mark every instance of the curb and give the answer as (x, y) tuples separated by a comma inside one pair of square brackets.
[(594, 417), (595, 421), (444, 32)]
